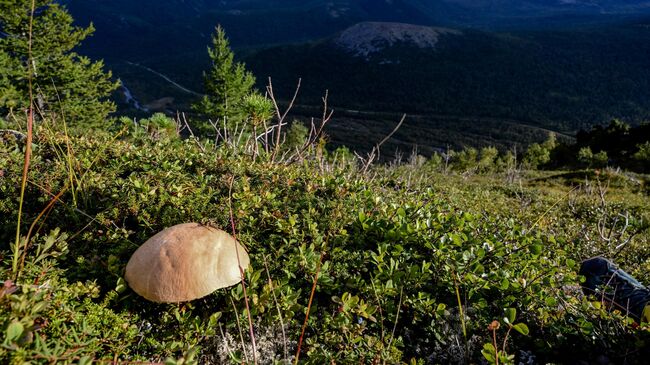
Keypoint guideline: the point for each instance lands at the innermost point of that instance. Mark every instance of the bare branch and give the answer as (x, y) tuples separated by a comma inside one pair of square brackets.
[(281, 116), (374, 154), (315, 132), (269, 130), (187, 125), (391, 133)]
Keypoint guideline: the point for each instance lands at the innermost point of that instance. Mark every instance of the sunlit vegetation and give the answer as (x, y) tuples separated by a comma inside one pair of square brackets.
[(463, 256)]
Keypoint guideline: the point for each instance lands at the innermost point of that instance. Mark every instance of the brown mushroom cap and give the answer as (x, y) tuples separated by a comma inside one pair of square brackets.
[(185, 262)]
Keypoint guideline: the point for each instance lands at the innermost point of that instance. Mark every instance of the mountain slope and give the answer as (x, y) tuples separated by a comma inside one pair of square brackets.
[(371, 37), (577, 67), (170, 36), (186, 24), (559, 80)]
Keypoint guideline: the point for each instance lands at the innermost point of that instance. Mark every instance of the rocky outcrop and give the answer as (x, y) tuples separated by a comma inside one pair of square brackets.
[(369, 37)]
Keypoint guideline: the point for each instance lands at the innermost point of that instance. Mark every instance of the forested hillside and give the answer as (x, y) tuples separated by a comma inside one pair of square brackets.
[(564, 81), (555, 65)]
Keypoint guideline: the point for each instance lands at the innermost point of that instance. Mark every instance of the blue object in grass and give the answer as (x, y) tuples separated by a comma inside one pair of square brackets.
[(605, 280)]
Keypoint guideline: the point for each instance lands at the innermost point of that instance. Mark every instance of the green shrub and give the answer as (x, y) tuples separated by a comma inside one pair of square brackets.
[(411, 265), (157, 126)]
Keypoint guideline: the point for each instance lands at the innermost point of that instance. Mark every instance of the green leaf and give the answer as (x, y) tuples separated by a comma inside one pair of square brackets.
[(440, 310), (121, 285), (489, 348), (550, 301), (401, 212), (14, 331), (362, 217), (510, 315), (214, 319), (467, 256), (489, 352), (536, 249), (570, 263), (85, 360), (521, 328)]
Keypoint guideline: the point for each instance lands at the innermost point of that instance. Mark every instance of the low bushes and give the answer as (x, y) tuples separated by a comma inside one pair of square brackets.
[(406, 265)]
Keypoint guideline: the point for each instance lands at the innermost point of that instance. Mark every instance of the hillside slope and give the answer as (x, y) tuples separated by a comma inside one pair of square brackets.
[(560, 80), (185, 25)]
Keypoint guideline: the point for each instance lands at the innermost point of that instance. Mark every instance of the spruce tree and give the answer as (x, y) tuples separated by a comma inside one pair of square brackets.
[(9, 96), (227, 83), (63, 81)]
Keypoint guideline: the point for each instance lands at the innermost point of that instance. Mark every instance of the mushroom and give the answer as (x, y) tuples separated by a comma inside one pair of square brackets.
[(185, 262)]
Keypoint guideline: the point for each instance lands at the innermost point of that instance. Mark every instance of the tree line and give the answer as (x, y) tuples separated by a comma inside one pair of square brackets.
[(616, 145)]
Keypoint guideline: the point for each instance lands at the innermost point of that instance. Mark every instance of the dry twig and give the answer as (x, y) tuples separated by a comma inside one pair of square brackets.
[(375, 153), (281, 115)]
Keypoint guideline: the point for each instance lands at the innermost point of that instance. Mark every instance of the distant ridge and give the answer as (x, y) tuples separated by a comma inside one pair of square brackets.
[(370, 37), (560, 80)]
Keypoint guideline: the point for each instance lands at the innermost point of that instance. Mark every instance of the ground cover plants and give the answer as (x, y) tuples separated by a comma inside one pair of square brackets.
[(401, 263)]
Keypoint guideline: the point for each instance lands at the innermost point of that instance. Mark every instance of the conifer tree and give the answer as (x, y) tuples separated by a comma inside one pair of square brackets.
[(63, 81), (227, 83), (9, 96)]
